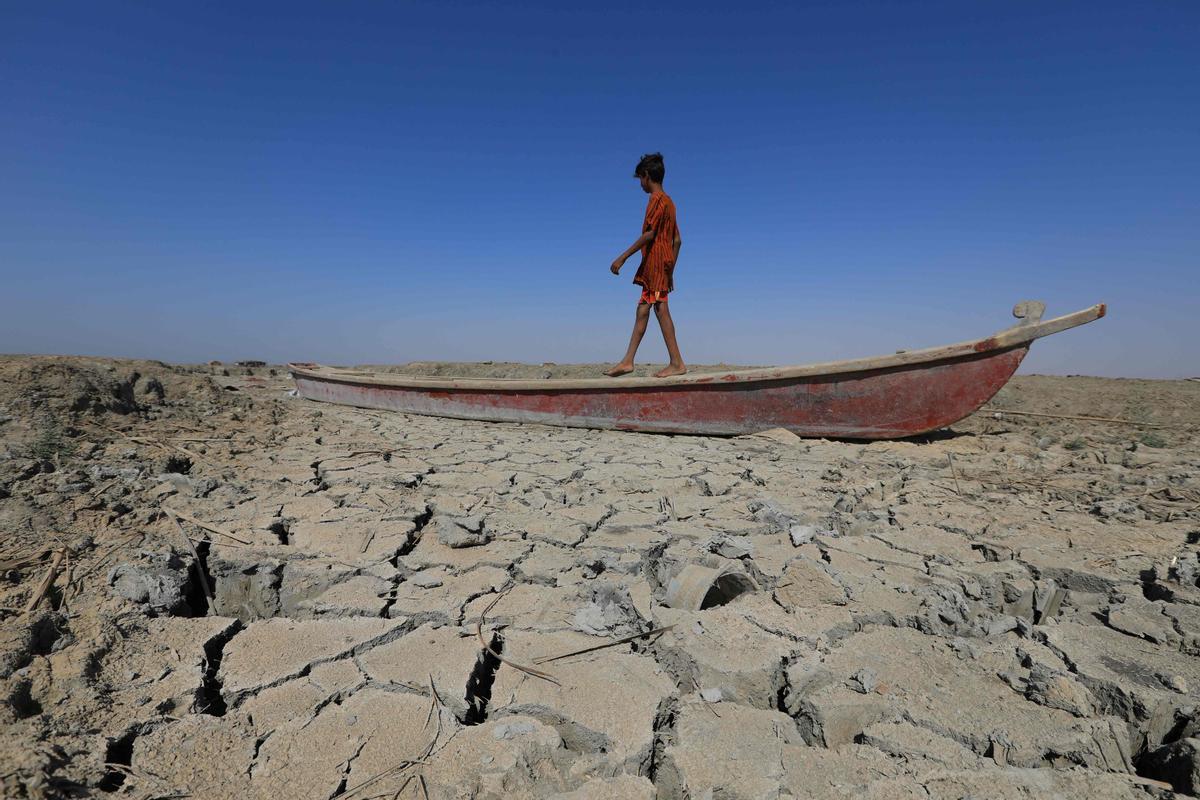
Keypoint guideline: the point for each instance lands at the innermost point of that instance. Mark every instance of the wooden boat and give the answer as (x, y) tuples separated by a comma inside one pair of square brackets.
[(885, 397)]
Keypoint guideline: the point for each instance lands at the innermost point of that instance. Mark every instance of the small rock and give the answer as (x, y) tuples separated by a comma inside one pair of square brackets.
[(460, 532), (428, 579), (863, 681), (801, 534), (729, 546), (1053, 689), (611, 612), (62, 642), (185, 484), (1047, 601), (164, 489), (1014, 679), (964, 649), (1002, 624), (159, 582), (594, 567), (768, 511), (473, 523), (712, 695), (999, 748), (508, 730)]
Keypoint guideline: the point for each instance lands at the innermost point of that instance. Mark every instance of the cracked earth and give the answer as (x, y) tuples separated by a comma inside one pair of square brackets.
[(264, 596)]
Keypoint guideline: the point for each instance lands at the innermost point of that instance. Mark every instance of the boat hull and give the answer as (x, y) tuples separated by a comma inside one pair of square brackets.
[(886, 403)]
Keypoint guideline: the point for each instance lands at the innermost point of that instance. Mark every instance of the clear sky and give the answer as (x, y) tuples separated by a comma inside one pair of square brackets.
[(356, 182)]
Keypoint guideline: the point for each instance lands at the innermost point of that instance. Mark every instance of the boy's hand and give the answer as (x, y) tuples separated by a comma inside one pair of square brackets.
[(616, 266)]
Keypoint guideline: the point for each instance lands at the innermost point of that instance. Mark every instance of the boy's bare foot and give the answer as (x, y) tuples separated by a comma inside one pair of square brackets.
[(618, 370), (670, 370)]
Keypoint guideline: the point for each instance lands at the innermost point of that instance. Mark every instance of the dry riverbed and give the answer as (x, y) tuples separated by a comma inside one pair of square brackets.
[(262, 596)]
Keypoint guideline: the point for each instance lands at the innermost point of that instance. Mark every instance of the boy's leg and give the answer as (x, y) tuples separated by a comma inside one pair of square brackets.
[(676, 367), (639, 330)]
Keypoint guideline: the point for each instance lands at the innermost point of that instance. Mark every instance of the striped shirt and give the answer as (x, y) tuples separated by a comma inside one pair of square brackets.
[(656, 273)]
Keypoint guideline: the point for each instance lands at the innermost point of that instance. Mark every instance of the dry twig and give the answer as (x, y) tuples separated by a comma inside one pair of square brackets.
[(368, 537), (95, 493), (195, 457), (1111, 420), (707, 705), (953, 472), (593, 648), (435, 702), (47, 580), (208, 526), (393, 770), (436, 706), (21, 562), (198, 564), (1140, 781), (519, 667)]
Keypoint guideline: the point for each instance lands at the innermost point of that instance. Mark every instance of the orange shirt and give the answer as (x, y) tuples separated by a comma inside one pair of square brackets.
[(656, 274)]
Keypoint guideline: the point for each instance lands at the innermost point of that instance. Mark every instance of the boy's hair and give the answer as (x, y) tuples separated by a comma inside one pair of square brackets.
[(652, 167)]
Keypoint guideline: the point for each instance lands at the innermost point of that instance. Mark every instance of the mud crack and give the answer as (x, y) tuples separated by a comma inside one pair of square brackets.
[(211, 699)]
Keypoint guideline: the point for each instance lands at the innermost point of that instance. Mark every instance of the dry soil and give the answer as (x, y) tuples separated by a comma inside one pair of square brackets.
[(262, 596)]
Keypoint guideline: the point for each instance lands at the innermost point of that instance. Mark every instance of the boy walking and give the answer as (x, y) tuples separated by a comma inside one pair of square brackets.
[(659, 244)]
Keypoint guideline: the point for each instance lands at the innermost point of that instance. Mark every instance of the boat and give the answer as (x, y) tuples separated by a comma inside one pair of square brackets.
[(907, 393)]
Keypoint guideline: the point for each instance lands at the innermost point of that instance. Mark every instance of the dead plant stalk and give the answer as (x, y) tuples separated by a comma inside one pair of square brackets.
[(519, 667), (593, 648), (47, 580)]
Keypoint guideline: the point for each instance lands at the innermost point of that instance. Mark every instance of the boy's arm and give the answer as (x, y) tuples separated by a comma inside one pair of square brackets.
[(643, 240), (677, 243)]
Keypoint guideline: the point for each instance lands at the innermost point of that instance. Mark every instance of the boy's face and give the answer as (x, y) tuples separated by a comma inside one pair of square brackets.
[(645, 181)]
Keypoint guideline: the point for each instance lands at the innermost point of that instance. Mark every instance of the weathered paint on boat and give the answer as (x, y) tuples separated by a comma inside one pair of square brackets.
[(886, 397)]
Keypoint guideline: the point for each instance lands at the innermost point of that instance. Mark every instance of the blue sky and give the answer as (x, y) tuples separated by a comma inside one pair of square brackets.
[(375, 182)]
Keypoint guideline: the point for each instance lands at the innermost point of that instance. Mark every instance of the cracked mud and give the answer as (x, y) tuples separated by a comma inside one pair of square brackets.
[(1009, 609)]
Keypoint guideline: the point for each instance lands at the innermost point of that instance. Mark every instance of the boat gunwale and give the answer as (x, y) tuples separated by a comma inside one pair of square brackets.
[(1019, 334)]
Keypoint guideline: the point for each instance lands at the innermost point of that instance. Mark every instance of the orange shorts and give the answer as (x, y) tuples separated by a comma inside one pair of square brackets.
[(652, 297)]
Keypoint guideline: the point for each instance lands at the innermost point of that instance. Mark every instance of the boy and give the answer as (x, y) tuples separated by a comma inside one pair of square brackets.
[(659, 244)]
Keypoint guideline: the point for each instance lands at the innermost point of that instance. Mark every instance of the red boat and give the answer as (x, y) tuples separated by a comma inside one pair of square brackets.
[(885, 397)]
